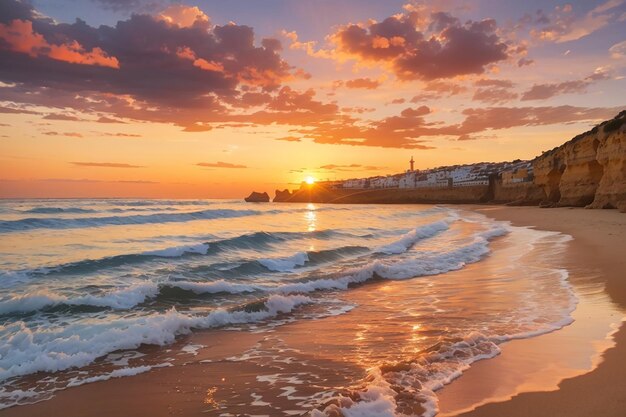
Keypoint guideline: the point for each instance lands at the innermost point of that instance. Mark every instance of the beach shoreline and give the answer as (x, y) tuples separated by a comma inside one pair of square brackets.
[(599, 236), (183, 390)]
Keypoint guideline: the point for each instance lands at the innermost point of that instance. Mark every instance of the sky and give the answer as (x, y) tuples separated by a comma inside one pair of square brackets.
[(216, 98)]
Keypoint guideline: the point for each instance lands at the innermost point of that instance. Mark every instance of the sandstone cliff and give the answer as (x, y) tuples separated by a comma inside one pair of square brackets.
[(589, 170)]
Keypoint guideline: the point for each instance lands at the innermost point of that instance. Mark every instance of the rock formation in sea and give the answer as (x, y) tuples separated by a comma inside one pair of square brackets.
[(258, 197), (284, 195)]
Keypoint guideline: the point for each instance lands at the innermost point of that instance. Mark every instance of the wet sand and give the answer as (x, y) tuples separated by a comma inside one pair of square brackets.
[(285, 369), (599, 250)]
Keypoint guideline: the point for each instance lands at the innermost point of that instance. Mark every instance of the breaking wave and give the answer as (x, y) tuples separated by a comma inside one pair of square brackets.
[(26, 350)]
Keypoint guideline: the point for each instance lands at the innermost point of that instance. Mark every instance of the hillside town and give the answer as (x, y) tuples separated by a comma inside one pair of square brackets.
[(444, 177)]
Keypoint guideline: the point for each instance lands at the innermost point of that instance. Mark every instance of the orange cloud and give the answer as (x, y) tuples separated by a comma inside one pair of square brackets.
[(351, 167), (68, 134), (366, 83), (19, 36), (187, 53), (183, 16), (219, 164), (544, 91), (445, 48), (564, 25), (105, 165)]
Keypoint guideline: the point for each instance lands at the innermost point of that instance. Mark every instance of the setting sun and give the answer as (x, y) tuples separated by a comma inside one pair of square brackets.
[(309, 180)]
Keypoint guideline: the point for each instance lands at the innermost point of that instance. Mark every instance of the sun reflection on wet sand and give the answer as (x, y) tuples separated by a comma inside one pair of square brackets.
[(209, 399)]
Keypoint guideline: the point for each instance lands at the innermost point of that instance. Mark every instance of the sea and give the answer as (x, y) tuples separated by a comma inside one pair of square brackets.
[(423, 291)]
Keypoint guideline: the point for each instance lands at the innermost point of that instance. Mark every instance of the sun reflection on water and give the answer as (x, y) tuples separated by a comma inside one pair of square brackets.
[(311, 217)]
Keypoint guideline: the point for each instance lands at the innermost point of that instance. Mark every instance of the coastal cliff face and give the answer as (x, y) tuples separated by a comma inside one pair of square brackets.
[(611, 156), (589, 170), (521, 194)]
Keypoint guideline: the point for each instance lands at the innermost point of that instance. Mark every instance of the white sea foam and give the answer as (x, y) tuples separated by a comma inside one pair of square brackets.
[(285, 264), (427, 263), (432, 371), (121, 298), (26, 350), (415, 235), (192, 349), (10, 398), (118, 373), (124, 298), (214, 287), (10, 279)]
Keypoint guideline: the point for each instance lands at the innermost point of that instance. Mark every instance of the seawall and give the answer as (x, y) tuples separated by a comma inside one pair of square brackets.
[(317, 193)]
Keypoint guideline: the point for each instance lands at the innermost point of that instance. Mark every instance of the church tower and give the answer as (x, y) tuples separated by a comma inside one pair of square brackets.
[(412, 162)]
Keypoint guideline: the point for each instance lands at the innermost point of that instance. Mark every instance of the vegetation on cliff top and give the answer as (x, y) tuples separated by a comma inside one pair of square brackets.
[(607, 126)]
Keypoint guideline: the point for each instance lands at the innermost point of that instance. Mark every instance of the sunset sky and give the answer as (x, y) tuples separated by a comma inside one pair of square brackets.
[(215, 98)]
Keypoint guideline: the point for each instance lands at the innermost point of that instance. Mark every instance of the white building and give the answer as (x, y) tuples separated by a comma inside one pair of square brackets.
[(451, 176)]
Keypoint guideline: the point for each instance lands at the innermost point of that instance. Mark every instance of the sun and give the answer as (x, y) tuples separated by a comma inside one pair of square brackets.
[(309, 180)]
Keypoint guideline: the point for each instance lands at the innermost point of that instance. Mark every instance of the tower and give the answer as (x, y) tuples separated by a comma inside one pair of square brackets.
[(412, 162)]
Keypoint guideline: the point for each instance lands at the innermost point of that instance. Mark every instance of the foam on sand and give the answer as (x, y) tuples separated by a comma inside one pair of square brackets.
[(26, 350), (421, 378)]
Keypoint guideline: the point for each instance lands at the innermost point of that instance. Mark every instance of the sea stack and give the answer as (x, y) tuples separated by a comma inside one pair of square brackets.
[(281, 196), (258, 197)]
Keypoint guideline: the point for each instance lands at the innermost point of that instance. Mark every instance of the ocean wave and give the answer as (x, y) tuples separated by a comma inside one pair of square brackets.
[(133, 295), (83, 222), (52, 210), (119, 299), (27, 350), (32, 223), (178, 251), (252, 267), (213, 287), (144, 203), (411, 238), (253, 241), (285, 264), (426, 263)]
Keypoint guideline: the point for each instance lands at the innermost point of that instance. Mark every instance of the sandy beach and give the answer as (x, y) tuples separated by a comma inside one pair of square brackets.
[(584, 375), (598, 243)]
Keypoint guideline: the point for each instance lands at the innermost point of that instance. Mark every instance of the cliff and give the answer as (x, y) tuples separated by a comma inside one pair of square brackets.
[(520, 194), (589, 170)]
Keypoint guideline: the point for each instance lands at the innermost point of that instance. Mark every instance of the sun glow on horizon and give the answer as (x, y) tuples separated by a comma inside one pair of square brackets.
[(310, 180)]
